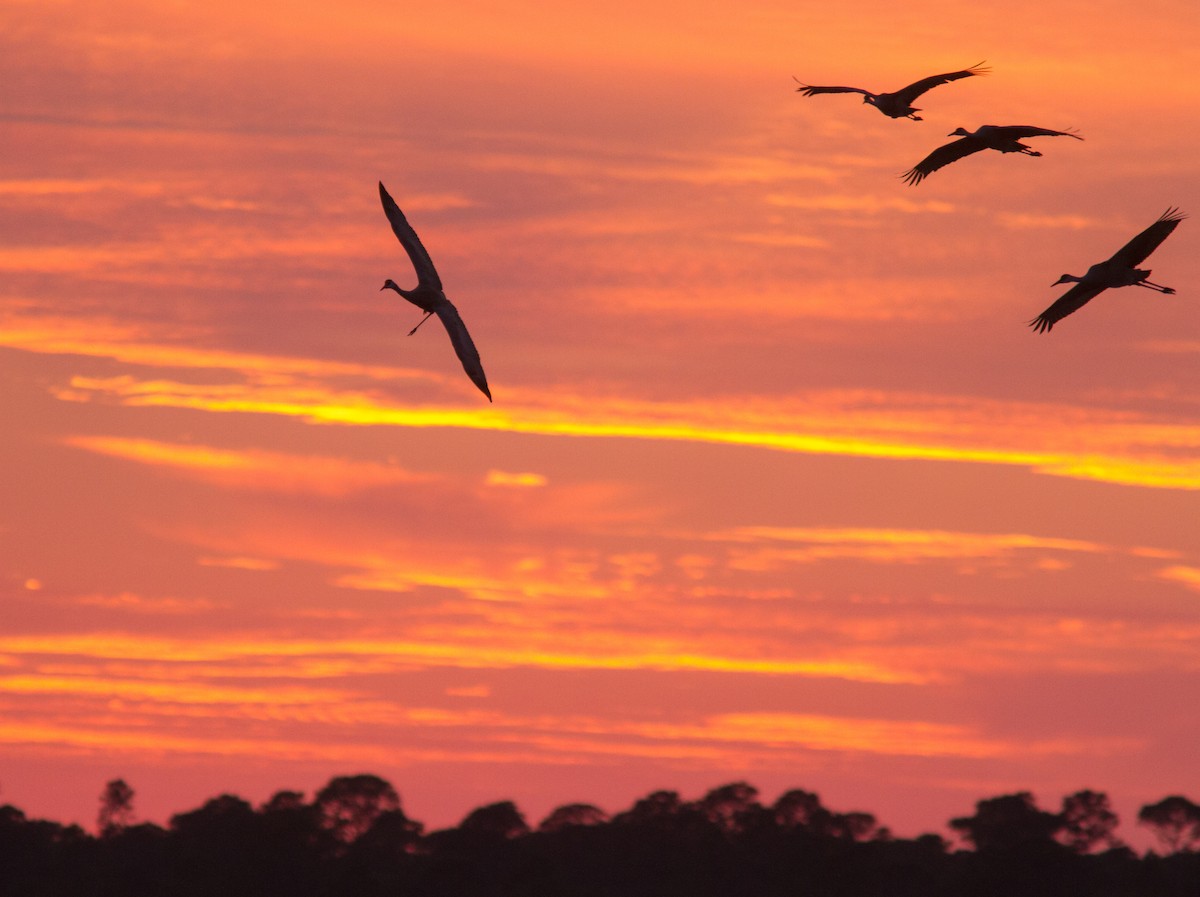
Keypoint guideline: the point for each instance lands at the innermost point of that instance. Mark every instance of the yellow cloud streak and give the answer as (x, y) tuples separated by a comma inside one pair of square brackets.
[(183, 692), (141, 742), (253, 469), (857, 424), (1189, 576), (900, 544), (453, 652), (133, 345), (771, 738), (883, 433)]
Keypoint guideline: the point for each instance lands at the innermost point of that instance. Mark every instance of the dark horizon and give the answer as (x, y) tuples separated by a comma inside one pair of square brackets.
[(353, 837)]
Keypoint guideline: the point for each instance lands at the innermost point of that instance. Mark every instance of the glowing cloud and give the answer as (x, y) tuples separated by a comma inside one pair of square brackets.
[(271, 471), (839, 423), (502, 478), (901, 545)]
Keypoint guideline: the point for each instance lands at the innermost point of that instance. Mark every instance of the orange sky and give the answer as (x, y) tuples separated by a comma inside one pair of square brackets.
[(777, 484)]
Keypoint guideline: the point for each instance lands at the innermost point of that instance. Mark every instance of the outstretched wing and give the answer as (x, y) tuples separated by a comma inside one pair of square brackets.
[(464, 346), (1072, 300), (1017, 132), (810, 90), (941, 157), (914, 90), (1136, 250), (427, 275)]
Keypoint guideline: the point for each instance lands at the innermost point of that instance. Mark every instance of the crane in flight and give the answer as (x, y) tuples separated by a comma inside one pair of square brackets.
[(1118, 271), (1002, 138), (897, 104), (428, 295)]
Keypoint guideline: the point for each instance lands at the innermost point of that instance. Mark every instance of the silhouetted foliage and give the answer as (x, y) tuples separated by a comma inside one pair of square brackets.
[(1008, 823), (572, 815), (348, 805), (660, 805), (857, 826), (802, 810), (1088, 822), (1175, 821), (498, 821), (116, 808), (731, 808), (353, 840)]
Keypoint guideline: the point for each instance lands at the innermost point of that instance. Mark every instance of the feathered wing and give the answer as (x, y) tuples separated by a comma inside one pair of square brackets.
[(1017, 132), (1070, 301), (810, 90), (1139, 248), (464, 346), (427, 275), (984, 137), (914, 90), (941, 157)]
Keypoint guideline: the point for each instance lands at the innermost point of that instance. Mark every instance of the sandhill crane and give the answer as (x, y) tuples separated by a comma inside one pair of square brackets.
[(428, 295), (1118, 271), (1003, 138), (898, 104)]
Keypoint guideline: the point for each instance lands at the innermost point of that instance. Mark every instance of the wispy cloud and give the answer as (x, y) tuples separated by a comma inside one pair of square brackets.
[(1083, 443), (869, 202), (901, 545), (253, 469), (944, 428), (1027, 221)]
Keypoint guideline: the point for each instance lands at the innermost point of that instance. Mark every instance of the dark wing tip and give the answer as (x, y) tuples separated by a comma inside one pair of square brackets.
[(1173, 215), (913, 176), (1041, 324), (386, 198)]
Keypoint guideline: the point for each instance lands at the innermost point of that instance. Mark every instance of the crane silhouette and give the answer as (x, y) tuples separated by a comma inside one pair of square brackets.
[(428, 295), (899, 103), (1003, 138), (1118, 271)]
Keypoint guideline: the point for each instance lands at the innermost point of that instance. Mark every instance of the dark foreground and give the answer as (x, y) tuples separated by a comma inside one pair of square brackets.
[(353, 839)]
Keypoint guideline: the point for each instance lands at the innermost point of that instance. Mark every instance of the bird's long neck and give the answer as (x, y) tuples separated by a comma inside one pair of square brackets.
[(422, 297)]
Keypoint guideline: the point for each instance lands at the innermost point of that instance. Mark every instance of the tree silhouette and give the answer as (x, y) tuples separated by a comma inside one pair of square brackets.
[(731, 808), (283, 802), (802, 810), (1088, 821), (656, 806), (1007, 823), (348, 805), (856, 826), (116, 808), (572, 815), (38, 856), (1175, 821), (498, 821), (353, 839)]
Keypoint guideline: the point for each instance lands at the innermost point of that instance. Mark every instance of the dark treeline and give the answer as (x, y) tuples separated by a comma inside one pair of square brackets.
[(353, 838)]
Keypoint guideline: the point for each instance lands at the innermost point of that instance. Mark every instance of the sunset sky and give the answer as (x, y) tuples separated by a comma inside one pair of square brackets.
[(777, 486)]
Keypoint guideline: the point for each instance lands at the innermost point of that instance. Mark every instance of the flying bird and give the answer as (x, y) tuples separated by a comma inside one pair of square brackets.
[(1118, 271), (898, 104), (1003, 138), (428, 295)]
